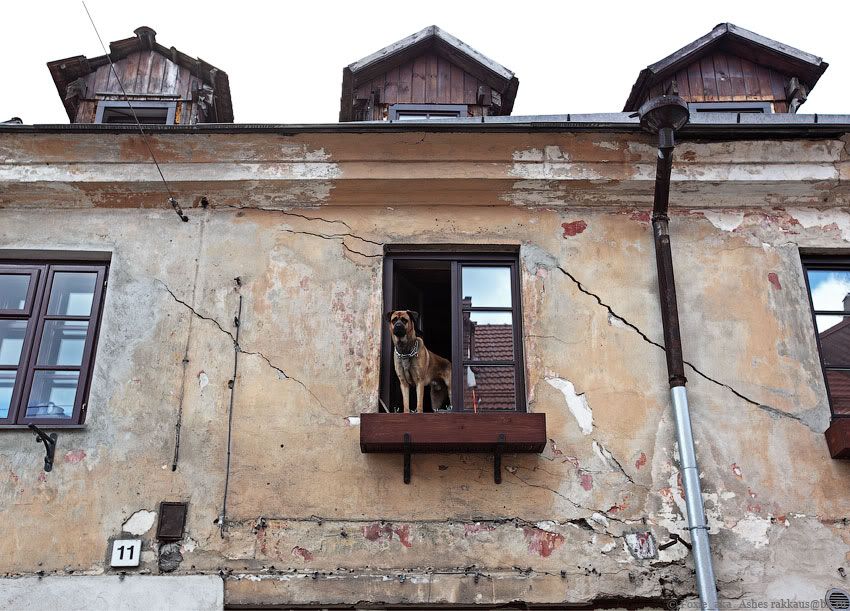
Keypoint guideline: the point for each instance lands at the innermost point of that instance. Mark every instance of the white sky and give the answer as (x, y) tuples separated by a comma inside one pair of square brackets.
[(285, 59)]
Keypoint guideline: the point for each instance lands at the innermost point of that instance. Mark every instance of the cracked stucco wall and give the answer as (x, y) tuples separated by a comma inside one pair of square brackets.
[(311, 518)]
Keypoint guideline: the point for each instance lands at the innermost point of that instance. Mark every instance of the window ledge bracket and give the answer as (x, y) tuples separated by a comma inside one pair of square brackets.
[(838, 437), (443, 433)]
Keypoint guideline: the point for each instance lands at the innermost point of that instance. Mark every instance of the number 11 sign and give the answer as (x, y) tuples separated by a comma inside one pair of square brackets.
[(126, 552)]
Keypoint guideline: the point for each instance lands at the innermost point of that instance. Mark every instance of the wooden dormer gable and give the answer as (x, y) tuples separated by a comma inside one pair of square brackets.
[(151, 74), (431, 67), (731, 67)]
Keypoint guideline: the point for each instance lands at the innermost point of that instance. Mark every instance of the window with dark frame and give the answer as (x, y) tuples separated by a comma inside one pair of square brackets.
[(425, 112), (828, 284), (470, 313), (49, 320)]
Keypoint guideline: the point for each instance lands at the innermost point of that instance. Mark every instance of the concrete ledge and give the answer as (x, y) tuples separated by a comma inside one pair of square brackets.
[(112, 593)]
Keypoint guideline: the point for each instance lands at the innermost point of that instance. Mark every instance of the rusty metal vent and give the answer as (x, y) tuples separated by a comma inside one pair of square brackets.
[(837, 599), (172, 519)]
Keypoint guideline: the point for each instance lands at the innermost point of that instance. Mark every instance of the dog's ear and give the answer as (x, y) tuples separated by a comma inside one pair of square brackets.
[(414, 316), (389, 315)]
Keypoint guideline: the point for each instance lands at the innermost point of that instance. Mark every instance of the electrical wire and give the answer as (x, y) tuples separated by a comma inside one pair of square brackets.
[(171, 199)]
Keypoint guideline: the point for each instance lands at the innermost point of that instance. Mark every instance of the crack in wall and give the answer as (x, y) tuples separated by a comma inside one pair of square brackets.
[(766, 408), (240, 349)]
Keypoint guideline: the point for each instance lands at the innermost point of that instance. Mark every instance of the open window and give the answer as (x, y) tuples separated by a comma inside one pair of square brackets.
[(469, 313), (828, 282)]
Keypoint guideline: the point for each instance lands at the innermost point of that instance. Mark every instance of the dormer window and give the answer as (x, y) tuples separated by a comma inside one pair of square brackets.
[(425, 112), (149, 113), (751, 107)]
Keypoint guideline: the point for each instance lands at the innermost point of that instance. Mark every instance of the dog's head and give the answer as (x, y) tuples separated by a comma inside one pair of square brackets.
[(403, 322)]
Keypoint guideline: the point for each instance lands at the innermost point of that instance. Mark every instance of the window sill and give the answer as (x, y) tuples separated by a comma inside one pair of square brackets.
[(453, 433), (43, 427), (838, 438)]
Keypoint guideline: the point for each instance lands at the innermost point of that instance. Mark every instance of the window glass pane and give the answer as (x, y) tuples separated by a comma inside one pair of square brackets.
[(7, 384), (488, 388), (12, 334), (13, 291), (488, 336), (62, 342), (839, 390), (72, 293), (53, 394), (829, 289), (408, 116), (486, 287)]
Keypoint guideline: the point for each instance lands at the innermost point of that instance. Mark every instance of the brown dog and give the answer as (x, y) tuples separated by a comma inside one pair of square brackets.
[(417, 366)]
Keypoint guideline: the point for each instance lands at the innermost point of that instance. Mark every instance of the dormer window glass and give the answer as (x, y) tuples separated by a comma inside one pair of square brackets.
[(751, 107), (149, 113), (425, 112)]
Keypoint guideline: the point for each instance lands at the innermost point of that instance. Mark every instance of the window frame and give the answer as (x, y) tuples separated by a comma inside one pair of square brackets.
[(746, 107), (35, 313), (104, 105), (462, 110), (824, 263), (458, 256)]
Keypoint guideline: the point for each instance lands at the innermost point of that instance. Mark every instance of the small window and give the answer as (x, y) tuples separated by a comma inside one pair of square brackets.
[(49, 316), (150, 113), (469, 312), (828, 281), (748, 107), (424, 112)]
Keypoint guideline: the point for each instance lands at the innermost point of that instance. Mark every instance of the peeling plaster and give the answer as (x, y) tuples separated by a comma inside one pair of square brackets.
[(725, 221), (140, 522), (754, 530), (811, 217), (577, 403)]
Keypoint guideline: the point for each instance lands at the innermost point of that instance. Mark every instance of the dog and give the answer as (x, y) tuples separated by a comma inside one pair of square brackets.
[(417, 366)]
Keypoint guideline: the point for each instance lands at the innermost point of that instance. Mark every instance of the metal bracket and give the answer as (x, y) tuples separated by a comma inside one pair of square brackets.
[(497, 458), (49, 442), (408, 450)]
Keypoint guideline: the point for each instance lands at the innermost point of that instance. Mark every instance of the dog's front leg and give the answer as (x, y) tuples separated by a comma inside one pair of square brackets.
[(420, 398), (405, 395)]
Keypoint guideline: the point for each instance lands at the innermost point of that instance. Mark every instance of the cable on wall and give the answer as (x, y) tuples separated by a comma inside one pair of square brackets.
[(171, 199)]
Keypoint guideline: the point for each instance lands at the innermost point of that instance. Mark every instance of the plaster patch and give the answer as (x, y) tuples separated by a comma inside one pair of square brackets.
[(725, 221), (140, 522), (641, 545), (754, 530), (577, 403), (352, 420), (616, 321), (547, 525), (811, 217), (203, 380)]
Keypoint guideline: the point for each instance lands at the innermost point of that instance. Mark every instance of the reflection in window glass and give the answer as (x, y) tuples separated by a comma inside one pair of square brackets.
[(830, 289), (489, 388), (12, 334), (72, 293), (486, 287), (53, 394), (7, 384), (488, 336), (62, 342), (13, 291), (839, 390)]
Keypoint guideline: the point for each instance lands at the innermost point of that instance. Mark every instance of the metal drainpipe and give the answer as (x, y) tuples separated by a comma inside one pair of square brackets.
[(676, 372)]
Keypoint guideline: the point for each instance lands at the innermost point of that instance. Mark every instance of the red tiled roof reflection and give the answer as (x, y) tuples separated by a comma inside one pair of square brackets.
[(492, 387)]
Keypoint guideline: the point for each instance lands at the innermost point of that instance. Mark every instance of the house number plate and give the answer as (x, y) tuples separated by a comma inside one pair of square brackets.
[(126, 552)]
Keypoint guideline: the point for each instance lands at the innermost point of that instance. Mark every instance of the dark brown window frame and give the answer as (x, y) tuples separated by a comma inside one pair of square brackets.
[(458, 255), (824, 263), (35, 312)]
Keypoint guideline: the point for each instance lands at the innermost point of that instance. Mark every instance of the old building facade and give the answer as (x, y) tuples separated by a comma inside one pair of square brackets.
[(229, 362)]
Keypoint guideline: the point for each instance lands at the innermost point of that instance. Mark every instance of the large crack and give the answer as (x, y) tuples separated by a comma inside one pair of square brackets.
[(766, 408), (239, 348), (325, 236)]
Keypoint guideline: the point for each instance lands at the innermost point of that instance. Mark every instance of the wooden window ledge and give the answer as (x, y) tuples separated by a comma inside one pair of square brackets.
[(453, 433), (837, 438)]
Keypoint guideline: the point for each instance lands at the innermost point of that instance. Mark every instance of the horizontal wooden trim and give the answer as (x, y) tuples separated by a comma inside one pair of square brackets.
[(453, 432), (837, 438)]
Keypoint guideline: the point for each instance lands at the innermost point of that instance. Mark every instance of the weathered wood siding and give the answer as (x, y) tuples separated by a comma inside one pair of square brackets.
[(427, 79), (722, 77), (144, 73)]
